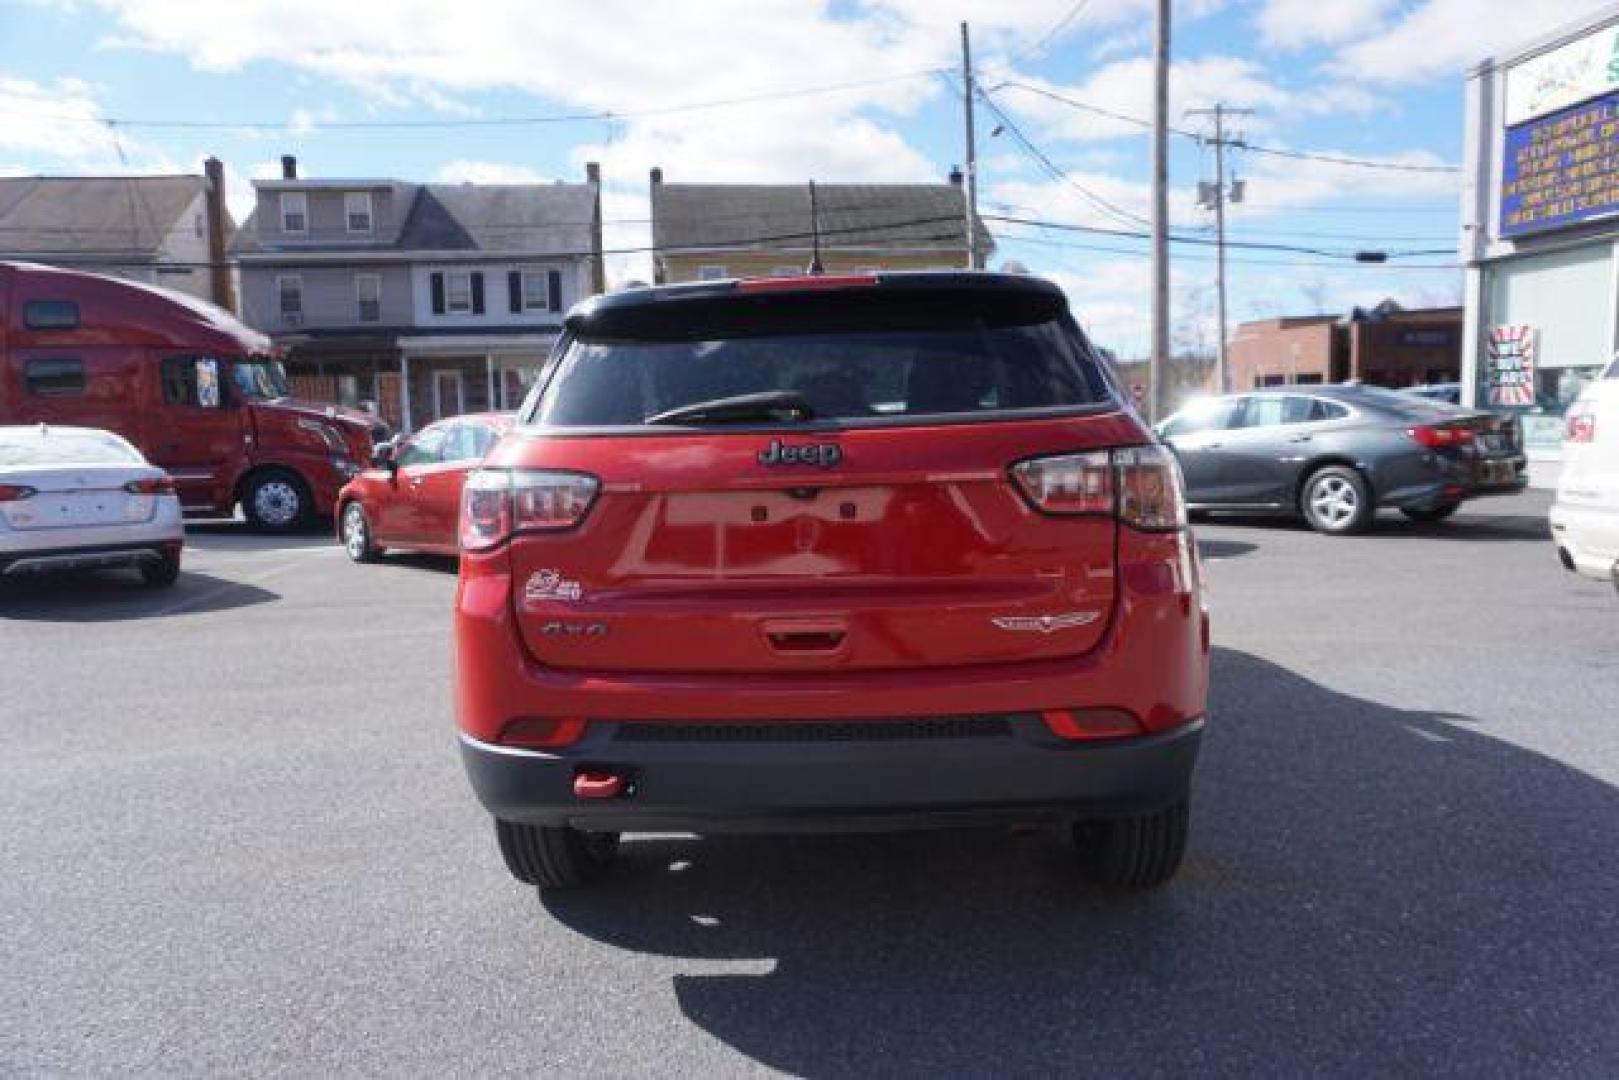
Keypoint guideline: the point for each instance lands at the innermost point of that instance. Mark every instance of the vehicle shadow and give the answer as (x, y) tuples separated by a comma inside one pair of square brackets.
[(1465, 526), (113, 595), (1224, 549), (443, 564), (224, 535), (1368, 890)]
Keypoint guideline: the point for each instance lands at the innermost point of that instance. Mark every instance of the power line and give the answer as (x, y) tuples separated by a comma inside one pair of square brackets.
[(596, 116), (1057, 173), (1050, 35), (1302, 155), (1203, 241)]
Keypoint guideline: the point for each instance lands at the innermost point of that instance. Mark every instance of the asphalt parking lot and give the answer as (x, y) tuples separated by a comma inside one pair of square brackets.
[(237, 840)]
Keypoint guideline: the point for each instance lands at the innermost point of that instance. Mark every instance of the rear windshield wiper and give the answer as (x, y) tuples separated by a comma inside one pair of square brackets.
[(740, 408)]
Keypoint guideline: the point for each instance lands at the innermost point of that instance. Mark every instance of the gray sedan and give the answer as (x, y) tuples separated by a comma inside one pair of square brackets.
[(1336, 453)]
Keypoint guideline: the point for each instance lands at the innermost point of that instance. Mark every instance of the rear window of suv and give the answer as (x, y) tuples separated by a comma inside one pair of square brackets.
[(863, 361)]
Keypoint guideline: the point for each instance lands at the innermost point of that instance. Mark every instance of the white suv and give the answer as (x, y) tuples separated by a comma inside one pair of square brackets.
[(1585, 517)]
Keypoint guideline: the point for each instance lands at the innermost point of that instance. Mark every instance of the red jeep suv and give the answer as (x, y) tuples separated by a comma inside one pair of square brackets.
[(829, 553)]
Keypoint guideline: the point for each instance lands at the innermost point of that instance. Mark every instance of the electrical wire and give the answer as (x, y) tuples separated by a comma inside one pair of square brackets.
[(1301, 155)]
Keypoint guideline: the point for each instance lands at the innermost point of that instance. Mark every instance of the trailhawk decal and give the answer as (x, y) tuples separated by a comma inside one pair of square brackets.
[(1046, 624), (550, 585)]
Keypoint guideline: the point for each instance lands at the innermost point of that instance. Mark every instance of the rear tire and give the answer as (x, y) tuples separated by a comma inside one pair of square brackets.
[(1432, 514), (555, 857), (1336, 500), (277, 501), (358, 543), (1138, 852), (163, 573)]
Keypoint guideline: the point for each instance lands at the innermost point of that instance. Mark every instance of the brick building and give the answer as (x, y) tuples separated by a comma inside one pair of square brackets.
[(1383, 346)]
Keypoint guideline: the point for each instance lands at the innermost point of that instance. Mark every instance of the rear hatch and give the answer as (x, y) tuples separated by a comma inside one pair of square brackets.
[(861, 514)]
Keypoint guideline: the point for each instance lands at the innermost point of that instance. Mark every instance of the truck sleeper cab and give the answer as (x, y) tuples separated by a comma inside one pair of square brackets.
[(199, 393)]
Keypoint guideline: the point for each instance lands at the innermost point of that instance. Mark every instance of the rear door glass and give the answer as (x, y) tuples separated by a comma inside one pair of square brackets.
[(846, 375)]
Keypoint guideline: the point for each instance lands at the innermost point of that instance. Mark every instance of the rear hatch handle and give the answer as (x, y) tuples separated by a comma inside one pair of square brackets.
[(806, 637)]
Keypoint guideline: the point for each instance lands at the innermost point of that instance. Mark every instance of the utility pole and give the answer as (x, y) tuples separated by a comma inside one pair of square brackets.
[(1158, 363), (974, 256), (1218, 197)]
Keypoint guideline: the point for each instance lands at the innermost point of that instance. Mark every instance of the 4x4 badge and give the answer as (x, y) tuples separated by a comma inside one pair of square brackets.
[(824, 455), (1046, 624)]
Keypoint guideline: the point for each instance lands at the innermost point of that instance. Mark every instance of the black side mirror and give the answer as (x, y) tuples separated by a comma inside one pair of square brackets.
[(385, 455)]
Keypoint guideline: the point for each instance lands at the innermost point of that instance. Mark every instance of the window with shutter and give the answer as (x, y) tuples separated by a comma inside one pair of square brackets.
[(458, 293)]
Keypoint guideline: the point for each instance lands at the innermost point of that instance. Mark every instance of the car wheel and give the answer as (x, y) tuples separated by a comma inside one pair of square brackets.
[(1432, 513), (555, 857), (1337, 501), (163, 573), (357, 540), (1138, 852), (277, 501)]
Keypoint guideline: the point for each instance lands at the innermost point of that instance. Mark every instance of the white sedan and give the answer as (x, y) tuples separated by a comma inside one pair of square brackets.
[(75, 498), (1585, 517)]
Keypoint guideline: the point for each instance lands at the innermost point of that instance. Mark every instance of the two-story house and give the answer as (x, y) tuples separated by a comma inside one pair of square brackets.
[(420, 300), (161, 230), (707, 231)]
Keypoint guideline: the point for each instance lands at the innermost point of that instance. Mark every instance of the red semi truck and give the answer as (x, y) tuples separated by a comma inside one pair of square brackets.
[(199, 393)]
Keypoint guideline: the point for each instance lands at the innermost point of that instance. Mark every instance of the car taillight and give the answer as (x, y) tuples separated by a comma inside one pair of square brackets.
[(1069, 484), (1152, 494), (15, 493), (157, 485), (1581, 427), (1441, 438), (498, 503), (1140, 484)]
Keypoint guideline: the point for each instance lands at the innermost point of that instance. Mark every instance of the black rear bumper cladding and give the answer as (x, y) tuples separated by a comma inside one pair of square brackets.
[(101, 556), (843, 784)]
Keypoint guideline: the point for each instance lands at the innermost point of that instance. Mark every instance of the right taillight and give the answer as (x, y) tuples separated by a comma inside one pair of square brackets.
[(16, 492), (499, 503), (1581, 427), (1440, 437), (1140, 484)]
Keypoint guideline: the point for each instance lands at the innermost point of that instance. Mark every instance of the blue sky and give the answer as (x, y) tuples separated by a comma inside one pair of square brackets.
[(1379, 80)]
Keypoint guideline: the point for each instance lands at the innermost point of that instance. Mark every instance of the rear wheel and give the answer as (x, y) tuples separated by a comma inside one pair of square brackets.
[(1138, 852), (358, 542), (277, 500), (1336, 500), (1433, 513), (555, 857), (163, 573)]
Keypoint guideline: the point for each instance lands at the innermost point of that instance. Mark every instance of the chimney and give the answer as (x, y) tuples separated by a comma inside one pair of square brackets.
[(220, 285), (658, 272), (955, 175), (289, 167), (598, 268)]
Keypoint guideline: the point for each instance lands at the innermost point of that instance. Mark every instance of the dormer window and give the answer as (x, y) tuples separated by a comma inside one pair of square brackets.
[(357, 211), (294, 212)]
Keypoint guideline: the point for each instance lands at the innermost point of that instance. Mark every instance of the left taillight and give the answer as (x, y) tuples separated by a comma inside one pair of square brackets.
[(1141, 485), (16, 492), (1438, 437), (496, 504), (1581, 425), (156, 485)]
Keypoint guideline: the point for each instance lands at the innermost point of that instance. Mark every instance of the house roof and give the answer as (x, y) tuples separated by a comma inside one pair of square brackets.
[(527, 219), (530, 218), (777, 216), (92, 215)]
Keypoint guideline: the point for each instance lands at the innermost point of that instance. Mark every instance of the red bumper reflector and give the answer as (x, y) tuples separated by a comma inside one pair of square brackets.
[(537, 734), (1091, 723), (591, 784)]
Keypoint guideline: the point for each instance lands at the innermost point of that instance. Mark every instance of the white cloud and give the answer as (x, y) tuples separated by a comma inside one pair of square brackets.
[(466, 171), (62, 123), (1294, 24), (1442, 38)]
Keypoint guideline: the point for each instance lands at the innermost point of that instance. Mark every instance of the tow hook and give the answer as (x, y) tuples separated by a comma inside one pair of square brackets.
[(599, 784)]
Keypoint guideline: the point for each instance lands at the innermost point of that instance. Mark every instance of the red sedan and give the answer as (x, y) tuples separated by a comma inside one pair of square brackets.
[(410, 496)]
